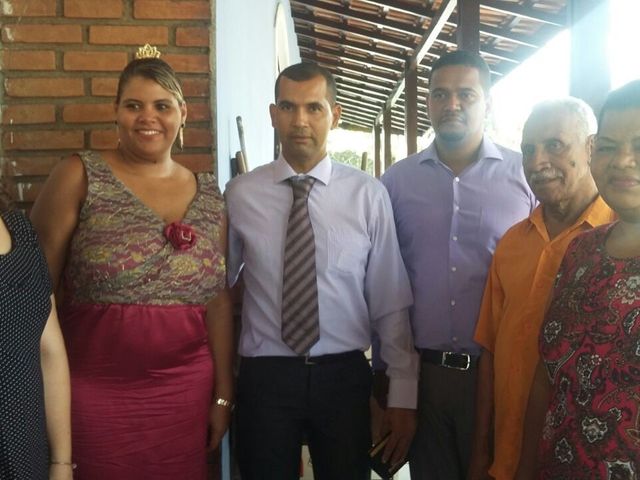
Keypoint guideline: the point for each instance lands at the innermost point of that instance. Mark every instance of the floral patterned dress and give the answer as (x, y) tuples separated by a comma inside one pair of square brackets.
[(590, 344), (134, 324)]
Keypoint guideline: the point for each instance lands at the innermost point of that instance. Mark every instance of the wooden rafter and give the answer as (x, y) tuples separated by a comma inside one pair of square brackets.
[(367, 45)]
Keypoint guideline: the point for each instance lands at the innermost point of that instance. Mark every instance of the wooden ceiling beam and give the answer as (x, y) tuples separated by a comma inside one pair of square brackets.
[(533, 41), (510, 8), (356, 82), (347, 115), (338, 63), (437, 23), (513, 57), (363, 32), (354, 77), (402, 7), (368, 104), (348, 12), (365, 92), (352, 123), (398, 122), (360, 97), (443, 38), (368, 116), (370, 49), (342, 53)]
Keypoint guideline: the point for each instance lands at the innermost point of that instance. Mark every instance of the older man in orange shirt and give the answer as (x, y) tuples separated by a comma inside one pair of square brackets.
[(556, 147)]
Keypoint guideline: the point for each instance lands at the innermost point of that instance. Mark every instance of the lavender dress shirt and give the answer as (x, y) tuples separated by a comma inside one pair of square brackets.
[(362, 282), (447, 228)]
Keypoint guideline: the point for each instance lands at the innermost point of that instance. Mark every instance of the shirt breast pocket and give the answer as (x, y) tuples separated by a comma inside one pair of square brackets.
[(347, 252)]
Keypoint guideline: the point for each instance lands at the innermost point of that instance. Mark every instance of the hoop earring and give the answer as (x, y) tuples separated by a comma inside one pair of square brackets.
[(181, 137)]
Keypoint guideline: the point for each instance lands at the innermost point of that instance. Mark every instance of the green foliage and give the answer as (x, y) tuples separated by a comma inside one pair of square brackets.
[(349, 157)]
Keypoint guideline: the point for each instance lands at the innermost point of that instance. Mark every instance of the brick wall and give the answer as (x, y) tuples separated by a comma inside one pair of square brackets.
[(60, 61)]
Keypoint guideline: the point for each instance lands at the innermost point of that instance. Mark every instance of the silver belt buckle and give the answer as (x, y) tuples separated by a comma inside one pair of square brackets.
[(445, 355)]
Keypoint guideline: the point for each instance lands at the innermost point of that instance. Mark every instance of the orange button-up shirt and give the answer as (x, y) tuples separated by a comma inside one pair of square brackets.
[(520, 280)]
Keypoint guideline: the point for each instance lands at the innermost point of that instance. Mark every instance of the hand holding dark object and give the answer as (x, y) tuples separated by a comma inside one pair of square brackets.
[(401, 424), (385, 470)]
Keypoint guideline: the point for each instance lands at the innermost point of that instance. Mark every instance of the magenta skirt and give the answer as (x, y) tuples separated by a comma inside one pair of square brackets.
[(141, 381)]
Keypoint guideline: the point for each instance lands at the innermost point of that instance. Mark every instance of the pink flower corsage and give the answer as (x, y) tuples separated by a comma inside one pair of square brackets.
[(181, 236)]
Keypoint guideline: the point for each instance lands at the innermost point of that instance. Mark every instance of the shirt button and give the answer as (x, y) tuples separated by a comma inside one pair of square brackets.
[(457, 180), (456, 208), (454, 339), (455, 238), (453, 302), (453, 269)]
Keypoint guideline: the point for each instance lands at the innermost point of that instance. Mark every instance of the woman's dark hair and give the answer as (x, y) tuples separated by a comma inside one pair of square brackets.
[(153, 69), (623, 98)]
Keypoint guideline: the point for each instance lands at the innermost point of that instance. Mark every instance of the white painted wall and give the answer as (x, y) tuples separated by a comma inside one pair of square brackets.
[(245, 77)]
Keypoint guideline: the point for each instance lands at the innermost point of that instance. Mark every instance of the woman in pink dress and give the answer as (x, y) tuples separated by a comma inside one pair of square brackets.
[(137, 243), (583, 418)]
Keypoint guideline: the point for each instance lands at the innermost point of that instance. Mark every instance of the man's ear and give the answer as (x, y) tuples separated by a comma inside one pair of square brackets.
[(272, 113), (488, 106), (336, 110), (590, 146)]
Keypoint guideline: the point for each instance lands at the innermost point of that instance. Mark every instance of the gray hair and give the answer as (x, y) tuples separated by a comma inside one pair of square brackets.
[(587, 122)]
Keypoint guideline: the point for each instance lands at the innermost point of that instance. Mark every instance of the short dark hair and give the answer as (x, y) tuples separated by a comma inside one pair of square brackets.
[(152, 69), (623, 98), (468, 59), (299, 72)]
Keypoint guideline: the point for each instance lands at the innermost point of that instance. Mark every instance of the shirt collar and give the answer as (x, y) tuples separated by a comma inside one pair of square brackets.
[(283, 171), (597, 213), (488, 149)]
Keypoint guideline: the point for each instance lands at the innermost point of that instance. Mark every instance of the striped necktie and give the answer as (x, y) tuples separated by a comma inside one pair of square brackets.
[(300, 320)]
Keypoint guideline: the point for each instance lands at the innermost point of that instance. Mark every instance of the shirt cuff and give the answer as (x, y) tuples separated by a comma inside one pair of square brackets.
[(403, 393)]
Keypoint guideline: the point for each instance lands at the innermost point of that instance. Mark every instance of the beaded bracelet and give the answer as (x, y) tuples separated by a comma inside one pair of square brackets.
[(224, 403)]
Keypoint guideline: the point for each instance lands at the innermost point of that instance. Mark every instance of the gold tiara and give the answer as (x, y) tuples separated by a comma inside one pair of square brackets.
[(147, 52)]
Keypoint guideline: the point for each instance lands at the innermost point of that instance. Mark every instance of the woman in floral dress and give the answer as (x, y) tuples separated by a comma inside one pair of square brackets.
[(138, 242), (584, 406)]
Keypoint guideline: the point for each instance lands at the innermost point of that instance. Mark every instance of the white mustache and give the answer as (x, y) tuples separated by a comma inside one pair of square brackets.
[(453, 116), (546, 174)]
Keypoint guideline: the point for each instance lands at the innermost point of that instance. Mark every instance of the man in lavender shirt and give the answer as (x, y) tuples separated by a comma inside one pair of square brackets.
[(452, 203)]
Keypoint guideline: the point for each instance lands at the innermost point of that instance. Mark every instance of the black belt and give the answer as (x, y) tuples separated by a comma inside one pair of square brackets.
[(307, 360), (459, 361)]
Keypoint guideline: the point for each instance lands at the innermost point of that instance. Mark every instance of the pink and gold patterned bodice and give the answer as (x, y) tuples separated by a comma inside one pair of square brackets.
[(119, 253)]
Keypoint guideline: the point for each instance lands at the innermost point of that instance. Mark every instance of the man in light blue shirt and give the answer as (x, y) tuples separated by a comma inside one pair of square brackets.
[(452, 202), (321, 394)]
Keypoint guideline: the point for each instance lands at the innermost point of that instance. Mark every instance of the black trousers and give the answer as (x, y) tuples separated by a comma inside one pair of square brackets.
[(282, 401), (441, 449)]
